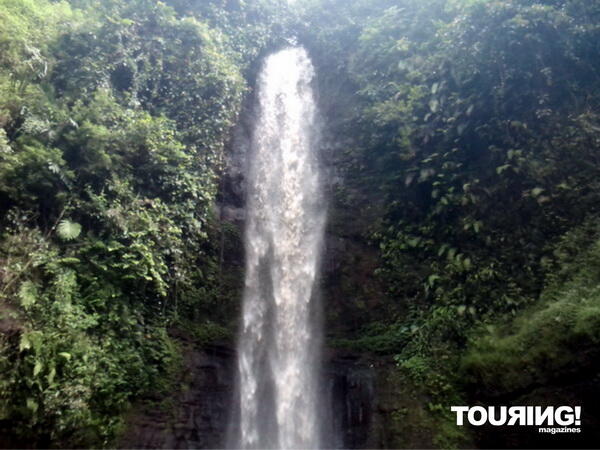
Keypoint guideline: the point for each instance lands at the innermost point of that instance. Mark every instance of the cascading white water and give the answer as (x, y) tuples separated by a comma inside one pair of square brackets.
[(279, 341)]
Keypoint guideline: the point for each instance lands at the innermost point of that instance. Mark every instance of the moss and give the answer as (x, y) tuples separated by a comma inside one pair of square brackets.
[(412, 404), (554, 337), (207, 333), (376, 338)]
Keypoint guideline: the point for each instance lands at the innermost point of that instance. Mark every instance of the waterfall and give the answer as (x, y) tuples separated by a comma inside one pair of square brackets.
[(278, 350)]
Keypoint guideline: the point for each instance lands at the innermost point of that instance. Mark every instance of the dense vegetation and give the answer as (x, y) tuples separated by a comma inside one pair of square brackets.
[(114, 116), (474, 127), (466, 135)]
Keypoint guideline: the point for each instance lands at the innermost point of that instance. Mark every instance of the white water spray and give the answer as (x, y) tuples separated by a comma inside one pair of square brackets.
[(279, 341)]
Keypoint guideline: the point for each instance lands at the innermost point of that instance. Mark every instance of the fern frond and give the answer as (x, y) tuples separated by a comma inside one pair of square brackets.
[(28, 294)]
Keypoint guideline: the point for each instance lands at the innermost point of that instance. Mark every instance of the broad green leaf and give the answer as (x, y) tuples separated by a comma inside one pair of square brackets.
[(502, 168), (51, 376), (434, 105), (432, 279), (536, 191), (32, 404), (414, 242), (25, 343), (37, 368), (68, 230)]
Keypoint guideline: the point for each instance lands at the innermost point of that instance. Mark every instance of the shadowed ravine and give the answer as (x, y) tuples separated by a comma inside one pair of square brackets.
[(280, 336)]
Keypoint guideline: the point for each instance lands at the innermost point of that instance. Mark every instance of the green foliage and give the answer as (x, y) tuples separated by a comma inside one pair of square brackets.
[(376, 338), (78, 356), (482, 157), (113, 120), (467, 123), (249, 27), (209, 333), (27, 28), (471, 126), (556, 336), (68, 230)]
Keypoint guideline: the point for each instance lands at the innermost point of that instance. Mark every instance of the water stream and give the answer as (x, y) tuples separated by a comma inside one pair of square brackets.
[(278, 350)]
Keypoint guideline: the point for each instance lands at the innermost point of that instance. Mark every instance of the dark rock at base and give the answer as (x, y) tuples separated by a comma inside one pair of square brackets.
[(374, 405), (197, 415), (367, 404)]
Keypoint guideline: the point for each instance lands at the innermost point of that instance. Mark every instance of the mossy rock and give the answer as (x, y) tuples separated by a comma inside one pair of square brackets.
[(406, 417)]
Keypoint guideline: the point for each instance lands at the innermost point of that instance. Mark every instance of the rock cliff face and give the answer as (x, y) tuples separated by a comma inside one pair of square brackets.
[(366, 404), (196, 416), (349, 392)]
